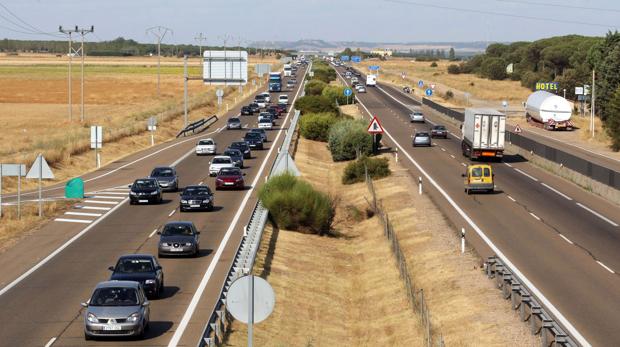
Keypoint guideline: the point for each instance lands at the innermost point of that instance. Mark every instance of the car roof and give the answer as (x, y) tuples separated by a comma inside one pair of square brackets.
[(221, 157), (145, 179), (137, 256), (180, 222), (113, 284), (206, 139), (163, 167)]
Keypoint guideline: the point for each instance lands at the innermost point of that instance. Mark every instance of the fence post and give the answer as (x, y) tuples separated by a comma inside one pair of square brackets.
[(462, 240), (420, 185)]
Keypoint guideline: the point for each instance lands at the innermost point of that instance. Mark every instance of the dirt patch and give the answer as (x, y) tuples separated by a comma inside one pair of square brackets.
[(352, 110)]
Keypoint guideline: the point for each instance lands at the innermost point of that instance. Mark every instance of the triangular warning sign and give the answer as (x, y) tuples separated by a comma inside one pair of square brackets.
[(375, 127), (518, 129), (40, 168)]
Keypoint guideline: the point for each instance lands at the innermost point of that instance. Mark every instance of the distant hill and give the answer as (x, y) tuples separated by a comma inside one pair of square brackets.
[(322, 45)]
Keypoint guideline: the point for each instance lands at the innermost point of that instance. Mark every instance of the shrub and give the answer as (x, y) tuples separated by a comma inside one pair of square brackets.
[(347, 138), (315, 104), (295, 205), (336, 93), (529, 79), (314, 87), (433, 64), (354, 171), (449, 94), (315, 126), (325, 75), (454, 69), (493, 68)]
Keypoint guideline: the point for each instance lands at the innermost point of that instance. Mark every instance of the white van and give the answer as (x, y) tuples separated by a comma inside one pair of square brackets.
[(371, 80), (283, 99)]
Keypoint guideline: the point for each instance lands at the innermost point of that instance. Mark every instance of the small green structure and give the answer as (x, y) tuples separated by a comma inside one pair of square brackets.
[(75, 189)]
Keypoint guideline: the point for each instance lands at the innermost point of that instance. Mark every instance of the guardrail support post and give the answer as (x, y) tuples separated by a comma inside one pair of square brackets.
[(525, 301), (516, 289), (536, 310), (546, 324)]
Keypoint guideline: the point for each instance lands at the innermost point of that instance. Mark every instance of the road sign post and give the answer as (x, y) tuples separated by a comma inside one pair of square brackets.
[(151, 125), (13, 170), (429, 92), (40, 170), (96, 142), (347, 92), (250, 299), (375, 128)]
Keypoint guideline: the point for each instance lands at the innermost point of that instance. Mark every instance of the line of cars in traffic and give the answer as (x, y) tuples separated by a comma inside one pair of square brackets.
[(120, 307)]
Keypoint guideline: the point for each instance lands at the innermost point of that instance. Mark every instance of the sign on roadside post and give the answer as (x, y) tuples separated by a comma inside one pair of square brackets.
[(375, 128), (420, 83), (429, 92), (40, 170), (347, 92), (251, 300), (13, 170), (219, 93), (151, 125), (356, 59), (96, 142)]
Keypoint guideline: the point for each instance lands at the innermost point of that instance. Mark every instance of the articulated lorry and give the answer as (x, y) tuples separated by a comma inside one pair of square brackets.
[(483, 134), (275, 82)]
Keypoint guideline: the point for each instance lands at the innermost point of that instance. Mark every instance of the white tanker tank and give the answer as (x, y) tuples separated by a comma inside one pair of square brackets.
[(551, 110)]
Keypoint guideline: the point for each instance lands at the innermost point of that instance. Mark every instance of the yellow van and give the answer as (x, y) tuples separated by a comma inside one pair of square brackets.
[(479, 177)]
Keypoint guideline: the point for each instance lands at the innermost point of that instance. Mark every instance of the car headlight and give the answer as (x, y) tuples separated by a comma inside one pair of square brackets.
[(154, 193), (188, 244), (92, 318), (165, 244), (149, 282), (134, 317), (184, 201), (133, 193), (206, 201)]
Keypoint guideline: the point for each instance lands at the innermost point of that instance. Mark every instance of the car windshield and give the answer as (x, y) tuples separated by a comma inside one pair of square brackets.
[(115, 296), (129, 265), (205, 142), (196, 191), (254, 135), (162, 172), (262, 131), (141, 184), (177, 230), (221, 160), (230, 172)]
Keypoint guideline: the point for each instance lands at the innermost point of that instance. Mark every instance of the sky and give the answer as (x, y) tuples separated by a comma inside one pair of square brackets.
[(330, 20)]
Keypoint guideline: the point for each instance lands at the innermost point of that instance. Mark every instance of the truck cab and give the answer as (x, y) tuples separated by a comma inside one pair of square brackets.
[(479, 177)]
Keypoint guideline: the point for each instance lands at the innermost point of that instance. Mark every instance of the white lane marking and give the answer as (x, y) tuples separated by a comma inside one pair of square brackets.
[(101, 202), (566, 239), (597, 214), (455, 135), (50, 342), (452, 155), (557, 192), (535, 216), (84, 214), (153, 233), (171, 213), (605, 267), (174, 341), (505, 163), (82, 221), (526, 175), (201, 182), (93, 208), (511, 198), (559, 316), (111, 193), (464, 164), (443, 149), (107, 197)]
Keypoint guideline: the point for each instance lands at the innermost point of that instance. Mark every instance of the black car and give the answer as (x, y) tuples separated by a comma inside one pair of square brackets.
[(142, 268), (179, 238), (243, 147), (247, 111), (439, 131), (233, 123), (262, 133), (274, 110), (254, 140), (166, 177), (145, 191), (236, 156), (196, 198), (254, 107)]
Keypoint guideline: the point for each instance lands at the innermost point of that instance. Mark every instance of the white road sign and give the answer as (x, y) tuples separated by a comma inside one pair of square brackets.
[(238, 299), (40, 169), (96, 136), (225, 67)]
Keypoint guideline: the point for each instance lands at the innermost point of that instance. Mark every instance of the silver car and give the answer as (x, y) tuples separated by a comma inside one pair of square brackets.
[(417, 117), (421, 139), (116, 308)]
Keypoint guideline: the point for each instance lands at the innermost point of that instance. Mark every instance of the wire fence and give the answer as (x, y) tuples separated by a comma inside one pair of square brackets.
[(415, 296)]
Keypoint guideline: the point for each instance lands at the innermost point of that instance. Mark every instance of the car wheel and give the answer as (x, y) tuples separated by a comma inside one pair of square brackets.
[(468, 191), (197, 252), (87, 337), (210, 207)]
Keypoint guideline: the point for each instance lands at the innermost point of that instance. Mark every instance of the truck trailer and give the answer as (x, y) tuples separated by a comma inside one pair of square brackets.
[(483, 134), (552, 111)]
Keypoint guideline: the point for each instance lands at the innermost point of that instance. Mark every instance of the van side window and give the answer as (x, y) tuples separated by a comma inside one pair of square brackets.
[(487, 172)]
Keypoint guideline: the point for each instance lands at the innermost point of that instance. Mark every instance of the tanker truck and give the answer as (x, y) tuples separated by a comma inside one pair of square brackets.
[(551, 111)]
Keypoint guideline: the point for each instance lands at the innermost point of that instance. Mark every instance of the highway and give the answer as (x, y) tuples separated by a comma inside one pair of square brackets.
[(564, 240), (46, 276)]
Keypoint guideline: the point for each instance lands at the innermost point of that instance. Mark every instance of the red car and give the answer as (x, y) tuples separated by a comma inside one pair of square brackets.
[(282, 108), (229, 178)]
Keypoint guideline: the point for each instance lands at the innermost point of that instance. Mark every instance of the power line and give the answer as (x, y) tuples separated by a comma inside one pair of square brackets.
[(29, 29), (558, 4), (460, 9)]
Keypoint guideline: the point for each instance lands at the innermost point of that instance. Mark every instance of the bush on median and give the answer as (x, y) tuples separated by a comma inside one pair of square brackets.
[(315, 126), (337, 93), (295, 205), (354, 171), (314, 87), (348, 138), (315, 104)]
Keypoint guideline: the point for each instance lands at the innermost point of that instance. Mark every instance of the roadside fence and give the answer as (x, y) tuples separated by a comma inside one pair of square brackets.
[(432, 335)]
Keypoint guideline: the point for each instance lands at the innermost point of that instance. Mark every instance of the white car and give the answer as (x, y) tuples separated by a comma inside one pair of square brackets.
[(360, 88), (206, 146), (354, 80), (219, 162), (283, 99), (267, 96), (416, 116), (265, 123)]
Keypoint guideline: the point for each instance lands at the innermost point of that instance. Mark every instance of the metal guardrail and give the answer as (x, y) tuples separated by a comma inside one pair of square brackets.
[(219, 320), (582, 166), (196, 126)]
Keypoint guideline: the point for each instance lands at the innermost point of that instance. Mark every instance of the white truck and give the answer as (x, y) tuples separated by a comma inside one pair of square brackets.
[(483, 134), (287, 70), (371, 80), (552, 111)]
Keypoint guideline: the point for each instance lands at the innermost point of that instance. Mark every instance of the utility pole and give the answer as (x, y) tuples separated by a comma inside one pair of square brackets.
[(83, 32), (593, 102), (185, 78), (240, 85), (225, 39), (200, 39), (68, 32), (159, 32), (72, 52)]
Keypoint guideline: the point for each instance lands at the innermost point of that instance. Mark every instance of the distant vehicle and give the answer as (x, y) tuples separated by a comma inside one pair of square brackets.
[(371, 80), (421, 139), (348, 74), (196, 198), (416, 116), (354, 79), (262, 133), (261, 101), (479, 177), (254, 139), (283, 99), (275, 110), (483, 134), (230, 178), (287, 70), (254, 107), (243, 147), (233, 123), (247, 111), (550, 110), (439, 131), (142, 268), (406, 89), (219, 162), (265, 123), (290, 84), (166, 177), (116, 308), (275, 82), (361, 89), (267, 96), (206, 146), (236, 156), (179, 238), (145, 191), (293, 80), (355, 84), (281, 107)]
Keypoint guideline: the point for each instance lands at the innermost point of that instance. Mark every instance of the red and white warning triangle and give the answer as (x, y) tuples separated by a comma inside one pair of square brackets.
[(375, 127), (518, 129)]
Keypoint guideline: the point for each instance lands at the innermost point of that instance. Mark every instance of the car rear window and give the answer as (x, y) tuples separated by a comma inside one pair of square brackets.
[(221, 160), (205, 142), (476, 172), (487, 172)]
